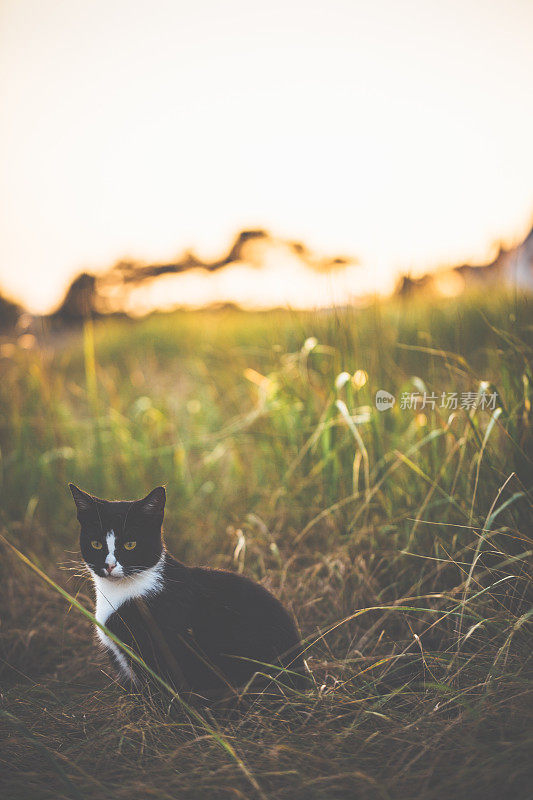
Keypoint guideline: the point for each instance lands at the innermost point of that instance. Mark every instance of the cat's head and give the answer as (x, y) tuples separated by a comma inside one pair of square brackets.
[(119, 538)]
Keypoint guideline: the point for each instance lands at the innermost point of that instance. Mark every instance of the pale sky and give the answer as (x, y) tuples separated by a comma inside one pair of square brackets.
[(397, 131)]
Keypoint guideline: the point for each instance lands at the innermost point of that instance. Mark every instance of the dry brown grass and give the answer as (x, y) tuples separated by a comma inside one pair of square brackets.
[(413, 593)]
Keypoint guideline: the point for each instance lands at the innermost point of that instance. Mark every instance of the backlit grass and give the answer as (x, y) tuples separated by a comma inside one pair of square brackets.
[(400, 539)]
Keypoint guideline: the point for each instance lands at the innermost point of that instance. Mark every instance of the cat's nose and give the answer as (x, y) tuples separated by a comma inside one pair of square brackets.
[(110, 568)]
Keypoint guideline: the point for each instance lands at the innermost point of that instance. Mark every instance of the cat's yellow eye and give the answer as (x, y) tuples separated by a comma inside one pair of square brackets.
[(96, 545), (130, 545)]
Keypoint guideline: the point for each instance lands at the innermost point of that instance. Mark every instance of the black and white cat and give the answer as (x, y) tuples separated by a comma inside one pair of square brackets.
[(202, 629)]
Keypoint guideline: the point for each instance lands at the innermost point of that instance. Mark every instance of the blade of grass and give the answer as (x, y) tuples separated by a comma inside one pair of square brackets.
[(24, 731)]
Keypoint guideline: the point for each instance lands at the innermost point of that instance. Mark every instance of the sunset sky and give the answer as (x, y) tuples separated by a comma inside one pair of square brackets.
[(399, 132)]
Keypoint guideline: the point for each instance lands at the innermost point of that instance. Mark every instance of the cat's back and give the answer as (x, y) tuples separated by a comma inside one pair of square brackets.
[(235, 614), (235, 593)]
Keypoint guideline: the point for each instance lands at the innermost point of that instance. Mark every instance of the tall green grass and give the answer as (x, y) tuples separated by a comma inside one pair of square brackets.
[(401, 539)]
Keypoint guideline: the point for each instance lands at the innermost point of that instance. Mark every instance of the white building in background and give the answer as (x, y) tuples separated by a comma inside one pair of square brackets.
[(521, 265)]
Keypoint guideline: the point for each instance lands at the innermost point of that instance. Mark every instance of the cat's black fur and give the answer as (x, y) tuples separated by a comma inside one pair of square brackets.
[(205, 630)]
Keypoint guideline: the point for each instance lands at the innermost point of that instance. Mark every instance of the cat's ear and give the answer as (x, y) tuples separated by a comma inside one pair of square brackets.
[(84, 502), (153, 505)]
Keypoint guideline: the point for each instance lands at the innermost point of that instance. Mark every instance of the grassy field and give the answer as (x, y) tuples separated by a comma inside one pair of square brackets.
[(401, 540)]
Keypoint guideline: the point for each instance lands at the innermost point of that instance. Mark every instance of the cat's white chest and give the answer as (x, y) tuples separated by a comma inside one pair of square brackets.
[(112, 594)]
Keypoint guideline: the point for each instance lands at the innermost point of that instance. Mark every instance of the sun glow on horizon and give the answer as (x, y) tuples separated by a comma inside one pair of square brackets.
[(396, 133), (281, 282)]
